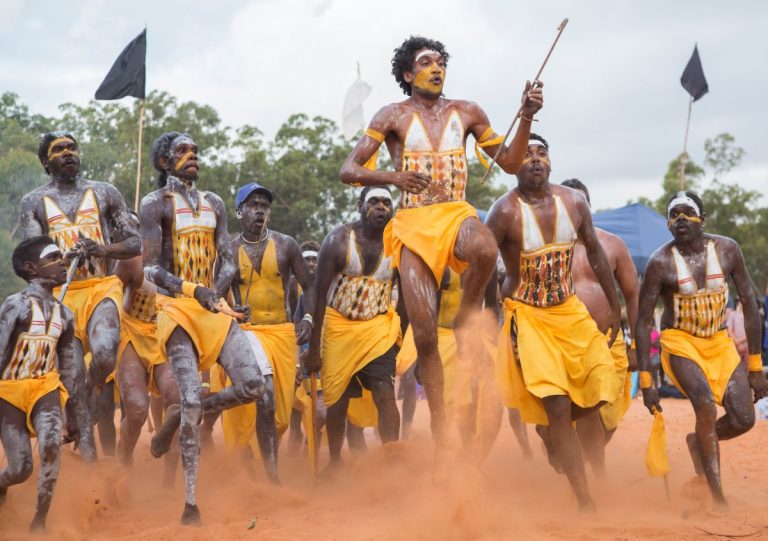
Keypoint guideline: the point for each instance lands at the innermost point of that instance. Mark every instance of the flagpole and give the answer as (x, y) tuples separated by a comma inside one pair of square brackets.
[(684, 155), (138, 155)]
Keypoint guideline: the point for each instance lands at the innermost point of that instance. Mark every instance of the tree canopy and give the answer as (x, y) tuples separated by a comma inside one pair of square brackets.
[(300, 164)]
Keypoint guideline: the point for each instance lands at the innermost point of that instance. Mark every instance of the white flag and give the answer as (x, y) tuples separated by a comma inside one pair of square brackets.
[(352, 117)]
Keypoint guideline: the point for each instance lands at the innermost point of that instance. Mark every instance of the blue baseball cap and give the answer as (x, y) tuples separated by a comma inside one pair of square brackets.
[(245, 192)]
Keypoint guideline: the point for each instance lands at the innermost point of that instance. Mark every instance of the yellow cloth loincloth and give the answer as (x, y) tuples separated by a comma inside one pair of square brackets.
[(279, 343), (457, 384), (561, 352), (716, 356), (362, 411), (82, 298), (348, 346), (142, 335), (208, 330), (23, 394), (429, 232), (612, 413)]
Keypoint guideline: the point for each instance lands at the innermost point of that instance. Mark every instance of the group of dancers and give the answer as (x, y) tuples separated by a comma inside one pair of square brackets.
[(165, 307)]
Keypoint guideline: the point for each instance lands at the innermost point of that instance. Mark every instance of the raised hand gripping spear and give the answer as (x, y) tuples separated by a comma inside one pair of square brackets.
[(517, 115)]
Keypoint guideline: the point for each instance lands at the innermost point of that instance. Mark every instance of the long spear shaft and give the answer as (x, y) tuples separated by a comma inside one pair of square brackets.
[(520, 110), (684, 155)]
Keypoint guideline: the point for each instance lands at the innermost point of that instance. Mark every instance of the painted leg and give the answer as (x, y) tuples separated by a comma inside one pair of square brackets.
[(103, 339), (265, 430), (17, 447), (565, 445), (48, 421), (703, 443), (182, 357), (169, 401), (78, 412), (132, 378)]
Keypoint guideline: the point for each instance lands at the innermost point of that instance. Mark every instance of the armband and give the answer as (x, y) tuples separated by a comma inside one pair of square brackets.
[(632, 344), (309, 319), (755, 362), (188, 289), (205, 385), (645, 379)]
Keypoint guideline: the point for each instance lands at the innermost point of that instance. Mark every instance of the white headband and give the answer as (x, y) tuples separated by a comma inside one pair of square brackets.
[(308, 253), (682, 199), (426, 52), (378, 192), (534, 142), (49, 250)]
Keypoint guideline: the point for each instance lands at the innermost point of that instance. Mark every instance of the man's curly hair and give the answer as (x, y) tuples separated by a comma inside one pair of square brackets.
[(405, 54)]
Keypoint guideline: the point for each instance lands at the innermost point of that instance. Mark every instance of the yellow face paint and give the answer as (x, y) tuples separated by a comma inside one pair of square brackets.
[(673, 221), (184, 159), (543, 160), (54, 155), (423, 82)]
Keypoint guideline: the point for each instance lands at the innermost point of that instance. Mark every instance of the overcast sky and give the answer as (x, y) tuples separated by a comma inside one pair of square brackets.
[(614, 109)]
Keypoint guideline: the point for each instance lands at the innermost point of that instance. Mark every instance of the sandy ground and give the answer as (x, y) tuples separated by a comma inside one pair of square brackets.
[(388, 494)]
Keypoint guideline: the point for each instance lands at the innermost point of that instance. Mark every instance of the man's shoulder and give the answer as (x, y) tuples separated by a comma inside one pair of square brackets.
[(283, 238), (609, 239), (36, 194), (155, 197)]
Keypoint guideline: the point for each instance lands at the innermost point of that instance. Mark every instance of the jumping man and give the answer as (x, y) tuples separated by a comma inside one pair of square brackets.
[(184, 233), (89, 216), (37, 368), (435, 227), (555, 359), (690, 274)]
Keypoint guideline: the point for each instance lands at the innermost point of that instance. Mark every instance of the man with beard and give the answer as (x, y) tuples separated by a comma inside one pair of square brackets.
[(184, 233), (435, 227), (357, 330), (690, 275), (595, 430), (554, 361), (90, 217)]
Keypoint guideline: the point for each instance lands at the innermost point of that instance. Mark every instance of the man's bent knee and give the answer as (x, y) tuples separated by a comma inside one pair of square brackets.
[(191, 412), (20, 471), (742, 421)]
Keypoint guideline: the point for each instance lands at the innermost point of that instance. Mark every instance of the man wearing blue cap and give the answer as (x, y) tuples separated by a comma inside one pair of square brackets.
[(184, 233), (264, 261)]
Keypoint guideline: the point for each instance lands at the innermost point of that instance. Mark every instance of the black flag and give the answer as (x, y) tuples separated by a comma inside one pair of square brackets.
[(693, 77), (128, 74)]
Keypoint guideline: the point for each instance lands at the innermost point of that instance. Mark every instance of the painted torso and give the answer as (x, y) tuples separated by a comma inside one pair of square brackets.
[(545, 277), (359, 296), (445, 162), (34, 354), (193, 235), (700, 312), (86, 224), (263, 291)]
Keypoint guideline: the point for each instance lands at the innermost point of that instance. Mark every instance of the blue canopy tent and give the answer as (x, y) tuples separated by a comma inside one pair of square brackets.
[(641, 228)]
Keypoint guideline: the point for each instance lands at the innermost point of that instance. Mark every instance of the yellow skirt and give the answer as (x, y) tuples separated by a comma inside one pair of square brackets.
[(208, 330), (279, 343), (429, 232), (23, 394), (82, 298), (612, 413), (716, 356), (348, 346), (561, 352), (457, 383), (142, 335)]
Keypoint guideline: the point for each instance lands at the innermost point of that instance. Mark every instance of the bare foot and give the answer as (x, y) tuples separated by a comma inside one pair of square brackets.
[(191, 516), (38, 525)]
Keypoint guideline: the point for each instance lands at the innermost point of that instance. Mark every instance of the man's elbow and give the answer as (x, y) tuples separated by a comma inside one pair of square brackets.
[(347, 173)]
